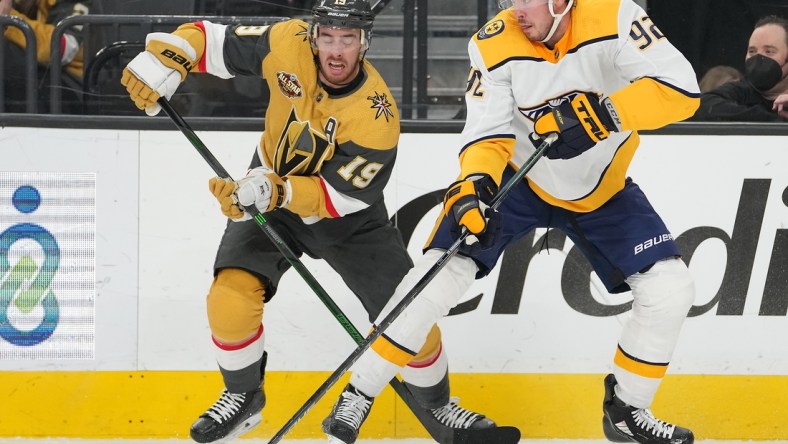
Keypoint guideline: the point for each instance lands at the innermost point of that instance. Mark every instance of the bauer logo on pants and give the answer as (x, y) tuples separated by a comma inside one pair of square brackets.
[(47, 265)]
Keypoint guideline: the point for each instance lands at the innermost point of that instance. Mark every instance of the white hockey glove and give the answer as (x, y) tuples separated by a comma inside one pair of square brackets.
[(158, 71), (263, 188)]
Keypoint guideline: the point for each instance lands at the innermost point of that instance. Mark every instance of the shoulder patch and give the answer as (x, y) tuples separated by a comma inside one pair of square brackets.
[(381, 104), (491, 29), (289, 85)]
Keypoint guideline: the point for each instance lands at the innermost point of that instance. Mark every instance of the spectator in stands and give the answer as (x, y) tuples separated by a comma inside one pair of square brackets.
[(763, 94), (717, 76), (42, 16)]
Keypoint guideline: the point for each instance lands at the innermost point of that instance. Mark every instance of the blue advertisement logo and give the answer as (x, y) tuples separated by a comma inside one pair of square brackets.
[(25, 278)]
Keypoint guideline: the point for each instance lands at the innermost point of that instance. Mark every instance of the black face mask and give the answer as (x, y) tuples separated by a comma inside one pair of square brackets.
[(762, 72)]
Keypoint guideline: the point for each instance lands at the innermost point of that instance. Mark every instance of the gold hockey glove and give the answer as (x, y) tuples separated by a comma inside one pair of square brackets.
[(223, 191), (158, 71), (466, 204)]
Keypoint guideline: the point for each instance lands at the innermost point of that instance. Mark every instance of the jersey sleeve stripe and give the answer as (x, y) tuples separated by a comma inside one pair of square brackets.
[(339, 204), (514, 59), (329, 204), (212, 61), (539, 59), (593, 41), (676, 88), (488, 137)]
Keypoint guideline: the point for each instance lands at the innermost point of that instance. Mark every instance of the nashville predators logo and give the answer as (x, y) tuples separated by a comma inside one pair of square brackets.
[(492, 28), (301, 150), (538, 111), (381, 103), (289, 85)]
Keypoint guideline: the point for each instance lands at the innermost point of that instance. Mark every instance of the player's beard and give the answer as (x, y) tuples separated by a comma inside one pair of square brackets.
[(533, 33), (338, 80)]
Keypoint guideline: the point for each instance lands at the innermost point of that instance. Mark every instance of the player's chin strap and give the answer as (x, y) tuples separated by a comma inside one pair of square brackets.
[(556, 17)]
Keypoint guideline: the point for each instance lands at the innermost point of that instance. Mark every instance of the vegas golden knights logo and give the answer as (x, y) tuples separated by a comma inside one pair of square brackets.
[(301, 150)]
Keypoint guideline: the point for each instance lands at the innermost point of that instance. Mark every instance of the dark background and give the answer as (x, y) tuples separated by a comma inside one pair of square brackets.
[(712, 32)]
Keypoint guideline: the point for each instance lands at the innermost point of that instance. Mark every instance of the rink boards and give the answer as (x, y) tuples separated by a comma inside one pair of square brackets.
[(122, 229)]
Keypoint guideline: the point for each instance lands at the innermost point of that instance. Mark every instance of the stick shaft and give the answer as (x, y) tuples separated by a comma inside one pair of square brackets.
[(410, 296), (337, 312)]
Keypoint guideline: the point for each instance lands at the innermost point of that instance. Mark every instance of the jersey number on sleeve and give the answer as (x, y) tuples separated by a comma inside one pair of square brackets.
[(645, 34), (474, 87), (366, 175)]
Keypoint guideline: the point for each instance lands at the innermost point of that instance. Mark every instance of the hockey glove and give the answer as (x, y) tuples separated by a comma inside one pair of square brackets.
[(223, 191), (158, 71), (580, 124), (263, 188), (466, 204)]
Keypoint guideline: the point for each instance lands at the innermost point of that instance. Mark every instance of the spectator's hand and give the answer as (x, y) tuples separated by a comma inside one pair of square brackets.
[(158, 71), (263, 188), (467, 205), (781, 106), (580, 124), (224, 191), (6, 6)]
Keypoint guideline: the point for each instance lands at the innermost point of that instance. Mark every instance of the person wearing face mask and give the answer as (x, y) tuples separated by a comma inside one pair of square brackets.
[(762, 96)]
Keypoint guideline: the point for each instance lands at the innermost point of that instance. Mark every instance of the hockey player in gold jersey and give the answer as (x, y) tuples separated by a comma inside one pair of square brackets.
[(594, 72), (318, 174)]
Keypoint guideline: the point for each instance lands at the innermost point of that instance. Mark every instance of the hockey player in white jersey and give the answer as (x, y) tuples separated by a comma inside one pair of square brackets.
[(594, 72)]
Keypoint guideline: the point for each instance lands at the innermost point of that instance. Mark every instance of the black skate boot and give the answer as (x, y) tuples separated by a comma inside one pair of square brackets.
[(456, 417), (231, 416), (624, 423), (345, 419)]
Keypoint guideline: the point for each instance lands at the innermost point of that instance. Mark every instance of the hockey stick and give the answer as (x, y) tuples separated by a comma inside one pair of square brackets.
[(440, 432), (411, 295)]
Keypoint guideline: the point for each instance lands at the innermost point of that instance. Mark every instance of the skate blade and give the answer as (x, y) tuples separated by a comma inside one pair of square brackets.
[(242, 428)]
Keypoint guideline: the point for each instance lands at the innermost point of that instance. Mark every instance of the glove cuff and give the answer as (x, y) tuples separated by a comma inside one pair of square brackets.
[(485, 186), (608, 115), (173, 51)]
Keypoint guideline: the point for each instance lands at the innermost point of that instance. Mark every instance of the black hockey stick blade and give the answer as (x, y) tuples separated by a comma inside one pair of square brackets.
[(494, 435)]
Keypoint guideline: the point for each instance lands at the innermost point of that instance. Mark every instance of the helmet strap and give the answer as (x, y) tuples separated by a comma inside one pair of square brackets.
[(556, 18)]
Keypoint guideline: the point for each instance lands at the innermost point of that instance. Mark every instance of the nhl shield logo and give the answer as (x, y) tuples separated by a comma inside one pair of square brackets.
[(289, 85)]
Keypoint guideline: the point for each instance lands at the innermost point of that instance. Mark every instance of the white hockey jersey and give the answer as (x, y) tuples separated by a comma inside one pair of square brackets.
[(611, 48)]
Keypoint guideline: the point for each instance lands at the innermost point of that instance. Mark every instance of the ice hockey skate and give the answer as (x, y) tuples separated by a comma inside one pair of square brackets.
[(230, 417), (456, 417), (624, 423), (350, 411)]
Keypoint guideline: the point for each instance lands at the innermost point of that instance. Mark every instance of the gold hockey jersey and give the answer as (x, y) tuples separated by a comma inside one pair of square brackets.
[(337, 150), (611, 48)]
